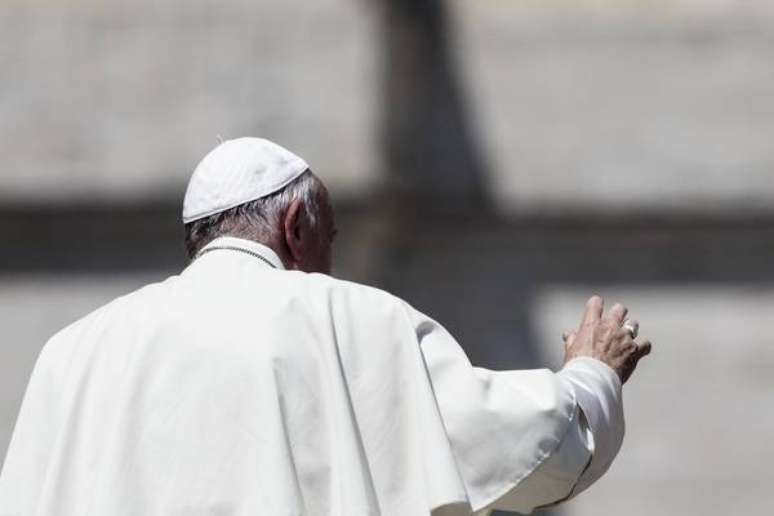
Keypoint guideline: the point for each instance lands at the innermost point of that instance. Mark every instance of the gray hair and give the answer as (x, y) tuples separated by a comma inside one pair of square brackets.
[(256, 220)]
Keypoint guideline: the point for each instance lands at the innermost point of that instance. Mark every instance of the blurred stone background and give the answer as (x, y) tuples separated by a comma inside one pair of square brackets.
[(493, 162)]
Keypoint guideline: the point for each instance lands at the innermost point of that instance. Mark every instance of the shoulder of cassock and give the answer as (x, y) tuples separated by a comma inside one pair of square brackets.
[(333, 397)]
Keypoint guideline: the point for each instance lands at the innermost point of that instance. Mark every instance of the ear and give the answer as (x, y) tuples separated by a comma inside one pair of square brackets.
[(295, 231)]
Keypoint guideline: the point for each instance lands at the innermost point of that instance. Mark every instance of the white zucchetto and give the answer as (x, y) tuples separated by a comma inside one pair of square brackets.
[(239, 171)]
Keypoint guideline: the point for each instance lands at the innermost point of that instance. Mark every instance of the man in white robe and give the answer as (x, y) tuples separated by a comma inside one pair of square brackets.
[(253, 383)]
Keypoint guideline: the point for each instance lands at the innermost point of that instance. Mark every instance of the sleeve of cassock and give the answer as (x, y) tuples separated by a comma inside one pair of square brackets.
[(523, 439), (591, 443)]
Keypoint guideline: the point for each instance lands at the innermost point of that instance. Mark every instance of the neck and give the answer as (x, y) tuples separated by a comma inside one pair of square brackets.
[(280, 249), (249, 245)]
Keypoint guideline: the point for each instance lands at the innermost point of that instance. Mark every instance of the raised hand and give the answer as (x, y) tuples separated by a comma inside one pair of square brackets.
[(608, 338)]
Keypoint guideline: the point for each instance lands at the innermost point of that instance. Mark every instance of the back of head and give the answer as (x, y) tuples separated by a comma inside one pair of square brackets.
[(247, 188)]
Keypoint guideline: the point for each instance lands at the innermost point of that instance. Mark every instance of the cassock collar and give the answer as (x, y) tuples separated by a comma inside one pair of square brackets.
[(233, 244)]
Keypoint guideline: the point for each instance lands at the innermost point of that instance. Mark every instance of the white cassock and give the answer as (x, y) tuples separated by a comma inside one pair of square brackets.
[(238, 388)]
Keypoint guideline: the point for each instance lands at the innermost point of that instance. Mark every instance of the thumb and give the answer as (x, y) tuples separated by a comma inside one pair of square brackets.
[(569, 338)]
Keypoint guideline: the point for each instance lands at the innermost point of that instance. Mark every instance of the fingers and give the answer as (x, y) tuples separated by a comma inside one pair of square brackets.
[(618, 313), (626, 344), (644, 349), (569, 337), (633, 360), (594, 308), (622, 345), (632, 326)]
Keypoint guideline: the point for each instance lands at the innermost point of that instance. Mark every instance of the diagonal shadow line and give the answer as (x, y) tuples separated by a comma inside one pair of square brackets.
[(428, 144), (431, 158)]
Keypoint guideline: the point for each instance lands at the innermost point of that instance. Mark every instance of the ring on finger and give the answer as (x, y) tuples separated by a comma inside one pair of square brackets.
[(633, 327)]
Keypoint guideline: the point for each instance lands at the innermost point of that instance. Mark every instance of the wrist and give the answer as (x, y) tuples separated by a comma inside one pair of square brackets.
[(600, 366)]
